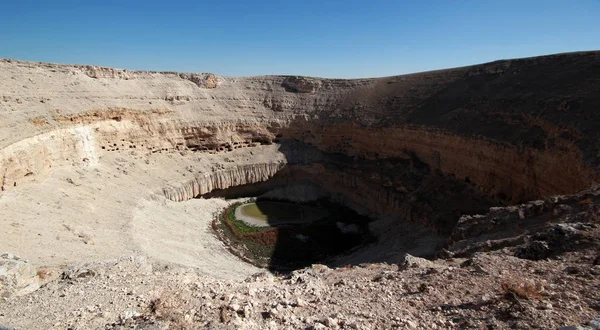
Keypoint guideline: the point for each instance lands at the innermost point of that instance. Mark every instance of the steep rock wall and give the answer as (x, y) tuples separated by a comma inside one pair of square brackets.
[(222, 179), (34, 158), (502, 170), (83, 139)]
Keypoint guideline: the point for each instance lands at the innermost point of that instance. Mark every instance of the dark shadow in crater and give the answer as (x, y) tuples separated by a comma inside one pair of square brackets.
[(295, 234), (356, 191), (317, 240)]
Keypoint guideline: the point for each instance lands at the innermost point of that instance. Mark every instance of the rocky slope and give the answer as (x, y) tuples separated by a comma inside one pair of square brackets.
[(100, 163), (486, 291)]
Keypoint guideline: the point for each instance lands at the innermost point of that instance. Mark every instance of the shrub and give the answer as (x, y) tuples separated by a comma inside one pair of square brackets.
[(522, 288)]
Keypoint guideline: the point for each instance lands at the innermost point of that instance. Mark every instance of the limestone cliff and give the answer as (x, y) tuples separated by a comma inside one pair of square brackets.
[(222, 179)]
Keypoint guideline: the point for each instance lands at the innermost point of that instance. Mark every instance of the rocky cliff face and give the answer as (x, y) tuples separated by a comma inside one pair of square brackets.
[(222, 179)]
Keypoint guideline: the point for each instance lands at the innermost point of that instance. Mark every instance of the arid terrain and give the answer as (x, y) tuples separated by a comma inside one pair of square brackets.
[(481, 184)]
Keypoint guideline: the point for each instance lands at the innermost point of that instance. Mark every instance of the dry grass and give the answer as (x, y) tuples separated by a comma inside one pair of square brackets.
[(174, 309), (39, 121), (522, 288), (43, 273), (48, 273)]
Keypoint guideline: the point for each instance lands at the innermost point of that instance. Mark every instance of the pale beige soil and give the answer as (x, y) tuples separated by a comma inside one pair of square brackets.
[(116, 209)]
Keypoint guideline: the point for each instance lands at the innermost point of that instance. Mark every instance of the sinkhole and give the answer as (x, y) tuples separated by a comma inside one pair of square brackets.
[(338, 210), (283, 235)]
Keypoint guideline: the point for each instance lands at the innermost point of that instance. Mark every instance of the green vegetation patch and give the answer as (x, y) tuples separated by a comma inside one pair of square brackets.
[(268, 213), (303, 234), (237, 226)]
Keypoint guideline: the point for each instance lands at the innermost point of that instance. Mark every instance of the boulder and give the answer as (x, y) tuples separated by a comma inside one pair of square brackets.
[(416, 262), (535, 250), (17, 276)]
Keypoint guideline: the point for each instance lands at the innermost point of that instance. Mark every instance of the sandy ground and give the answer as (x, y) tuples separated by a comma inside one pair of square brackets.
[(116, 209)]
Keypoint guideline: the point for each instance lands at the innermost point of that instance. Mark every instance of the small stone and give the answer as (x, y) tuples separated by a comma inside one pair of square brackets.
[(352, 325), (424, 288), (416, 262), (485, 298), (330, 322), (319, 325), (480, 270), (572, 270), (410, 324), (130, 314), (300, 302), (569, 295), (535, 250), (247, 310)]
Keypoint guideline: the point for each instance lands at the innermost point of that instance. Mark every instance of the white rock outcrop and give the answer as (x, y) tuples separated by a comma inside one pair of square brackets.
[(17, 276), (222, 179)]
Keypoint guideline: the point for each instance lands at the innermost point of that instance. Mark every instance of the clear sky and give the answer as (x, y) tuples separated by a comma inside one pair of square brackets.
[(349, 38)]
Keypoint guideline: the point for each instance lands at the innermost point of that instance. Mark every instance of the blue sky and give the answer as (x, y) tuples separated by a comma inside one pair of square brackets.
[(324, 38)]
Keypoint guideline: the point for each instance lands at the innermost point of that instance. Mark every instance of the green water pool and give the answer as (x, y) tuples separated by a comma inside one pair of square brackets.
[(268, 213)]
